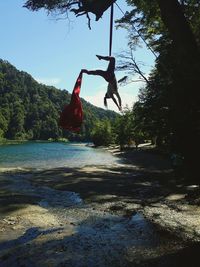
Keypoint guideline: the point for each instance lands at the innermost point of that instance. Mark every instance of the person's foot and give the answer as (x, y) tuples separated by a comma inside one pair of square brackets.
[(84, 71), (99, 57)]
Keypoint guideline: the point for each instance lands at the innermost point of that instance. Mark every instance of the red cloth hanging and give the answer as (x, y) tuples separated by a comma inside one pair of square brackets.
[(71, 117)]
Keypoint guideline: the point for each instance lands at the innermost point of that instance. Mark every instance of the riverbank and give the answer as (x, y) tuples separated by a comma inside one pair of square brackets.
[(19, 142), (134, 213), (174, 200)]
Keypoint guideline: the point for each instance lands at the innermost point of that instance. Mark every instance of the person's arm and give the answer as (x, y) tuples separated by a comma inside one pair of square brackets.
[(123, 79)]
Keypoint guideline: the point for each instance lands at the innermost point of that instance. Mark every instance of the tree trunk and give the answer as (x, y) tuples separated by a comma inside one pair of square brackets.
[(177, 24), (186, 83), (181, 33)]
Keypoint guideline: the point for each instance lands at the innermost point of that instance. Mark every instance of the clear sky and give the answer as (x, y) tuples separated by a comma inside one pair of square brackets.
[(54, 51)]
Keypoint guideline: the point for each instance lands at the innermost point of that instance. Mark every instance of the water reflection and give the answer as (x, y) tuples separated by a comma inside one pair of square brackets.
[(50, 155)]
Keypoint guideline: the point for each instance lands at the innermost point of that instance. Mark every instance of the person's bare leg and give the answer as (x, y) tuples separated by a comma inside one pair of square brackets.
[(94, 72), (119, 100), (115, 101), (111, 65), (101, 73)]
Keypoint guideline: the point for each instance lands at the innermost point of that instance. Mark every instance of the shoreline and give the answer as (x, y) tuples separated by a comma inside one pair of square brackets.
[(166, 211), (142, 183), (178, 212)]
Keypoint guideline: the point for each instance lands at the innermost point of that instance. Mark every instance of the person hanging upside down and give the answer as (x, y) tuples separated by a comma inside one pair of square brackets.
[(109, 76)]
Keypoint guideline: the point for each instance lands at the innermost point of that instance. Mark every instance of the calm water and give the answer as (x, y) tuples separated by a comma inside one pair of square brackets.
[(49, 155)]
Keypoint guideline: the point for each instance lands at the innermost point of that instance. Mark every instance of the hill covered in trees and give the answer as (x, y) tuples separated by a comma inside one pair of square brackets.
[(30, 110)]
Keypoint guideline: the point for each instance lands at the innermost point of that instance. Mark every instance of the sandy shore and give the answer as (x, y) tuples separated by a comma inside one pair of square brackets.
[(134, 213)]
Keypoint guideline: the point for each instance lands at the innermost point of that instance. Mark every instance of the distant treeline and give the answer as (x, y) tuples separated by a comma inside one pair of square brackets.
[(30, 110)]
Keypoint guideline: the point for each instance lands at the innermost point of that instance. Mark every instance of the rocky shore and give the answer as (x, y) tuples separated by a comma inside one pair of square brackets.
[(135, 213), (174, 201)]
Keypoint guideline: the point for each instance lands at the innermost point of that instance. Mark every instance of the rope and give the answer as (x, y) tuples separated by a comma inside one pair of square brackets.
[(148, 46), (111, 29)]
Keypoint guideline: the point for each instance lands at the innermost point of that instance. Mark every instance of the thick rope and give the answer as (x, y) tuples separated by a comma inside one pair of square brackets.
[(148, 46), (111, 29)]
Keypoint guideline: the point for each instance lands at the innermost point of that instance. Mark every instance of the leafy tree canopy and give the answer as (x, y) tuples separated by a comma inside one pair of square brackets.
[(82, 7)]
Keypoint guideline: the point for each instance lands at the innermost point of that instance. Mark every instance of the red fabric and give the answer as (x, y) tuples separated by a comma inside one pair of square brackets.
[(71, 117)]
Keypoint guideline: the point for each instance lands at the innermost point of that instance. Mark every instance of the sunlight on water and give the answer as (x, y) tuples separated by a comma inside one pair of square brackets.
[(50, 155)]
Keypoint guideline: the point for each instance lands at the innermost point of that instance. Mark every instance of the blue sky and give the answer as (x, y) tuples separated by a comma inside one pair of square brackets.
[(54, 51)]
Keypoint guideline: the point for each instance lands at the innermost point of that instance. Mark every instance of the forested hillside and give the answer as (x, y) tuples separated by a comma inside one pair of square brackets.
[(29, 110)]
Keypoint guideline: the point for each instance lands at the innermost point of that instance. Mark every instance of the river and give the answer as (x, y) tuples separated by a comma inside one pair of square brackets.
[(43, 155)]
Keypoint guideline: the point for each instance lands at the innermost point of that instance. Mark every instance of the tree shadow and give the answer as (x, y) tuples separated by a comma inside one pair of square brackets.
[(117, 183), (146, 179), (29, 235), (101, 242), (187, 256), (10, 201)]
